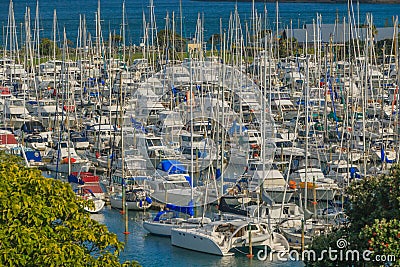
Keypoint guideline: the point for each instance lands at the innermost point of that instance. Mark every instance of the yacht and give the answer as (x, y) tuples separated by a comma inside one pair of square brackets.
[(64, 159), (136, 192), (167, 219), (224, 237)]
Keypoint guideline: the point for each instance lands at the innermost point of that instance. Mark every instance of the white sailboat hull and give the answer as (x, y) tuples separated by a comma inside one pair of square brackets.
[(116, 203), (63, 168), (195, 241), (157, 228), (295, 238)]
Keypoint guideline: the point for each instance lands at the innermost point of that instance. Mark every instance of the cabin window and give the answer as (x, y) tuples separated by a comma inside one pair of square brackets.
[(286, 210)]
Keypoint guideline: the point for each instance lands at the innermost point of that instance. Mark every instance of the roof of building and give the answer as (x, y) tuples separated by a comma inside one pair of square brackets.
[(336, 33)]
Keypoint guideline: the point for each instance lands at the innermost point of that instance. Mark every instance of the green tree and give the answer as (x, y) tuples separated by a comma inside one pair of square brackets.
[(46, 47), (43, 223), (384, 237), (116, 39), (374, 212), (167, 39)]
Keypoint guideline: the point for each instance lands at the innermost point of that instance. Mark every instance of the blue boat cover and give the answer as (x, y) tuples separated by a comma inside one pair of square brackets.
[(189, 179), (184, 209), (148, 200), (173, 167), (33, 155), (384, 158), (159, 214), (218, 173), (74, 179), (354, 173), (236, 128)]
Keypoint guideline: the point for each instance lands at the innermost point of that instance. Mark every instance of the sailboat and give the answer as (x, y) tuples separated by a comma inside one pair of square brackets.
[(137, 196), (86, 186), (95, 204), (225, 236), (171, 218), (64, 159)]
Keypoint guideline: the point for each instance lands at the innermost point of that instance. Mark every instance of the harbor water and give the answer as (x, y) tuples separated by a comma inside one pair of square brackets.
[(151, 250)]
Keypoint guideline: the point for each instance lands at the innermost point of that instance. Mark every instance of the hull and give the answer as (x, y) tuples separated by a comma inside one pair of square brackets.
[(180, 197), (278, 195), (321, 194), (233, 201), (198, 242), (116, 203), (157, 228), (294, 239), (75, 167), (163, 228)]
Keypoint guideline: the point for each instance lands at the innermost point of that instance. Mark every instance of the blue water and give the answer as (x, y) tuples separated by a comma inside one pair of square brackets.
[(68, 14), (151, 250)]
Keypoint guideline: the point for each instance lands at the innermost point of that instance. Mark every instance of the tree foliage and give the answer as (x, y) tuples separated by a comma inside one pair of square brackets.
[(46, 47), (43, 223), (286, 44), (383, 237), (374, 220), (116, 40), (170, 40)]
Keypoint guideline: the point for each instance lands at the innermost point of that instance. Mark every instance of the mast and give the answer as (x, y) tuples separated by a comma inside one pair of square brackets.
[(55, 90), (153, 34), (181, 19), (37, 35), (277, 30), (123, 32), (65, 86), (223, 48), (144, 42), (124, 204), (306, 91), (396, 50), (54, 66)]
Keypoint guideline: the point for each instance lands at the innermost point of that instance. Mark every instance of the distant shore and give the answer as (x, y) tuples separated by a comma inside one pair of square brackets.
[(312, 1)]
